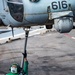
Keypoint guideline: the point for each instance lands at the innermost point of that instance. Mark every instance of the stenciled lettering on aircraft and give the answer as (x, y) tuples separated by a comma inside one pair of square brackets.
[(59, 5)]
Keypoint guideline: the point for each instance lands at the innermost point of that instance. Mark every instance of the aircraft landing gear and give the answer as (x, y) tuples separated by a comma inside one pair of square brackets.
[(23, 70)]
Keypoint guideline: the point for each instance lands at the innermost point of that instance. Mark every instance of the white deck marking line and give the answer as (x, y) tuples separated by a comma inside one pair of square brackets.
[(21, 35), (73, 38)]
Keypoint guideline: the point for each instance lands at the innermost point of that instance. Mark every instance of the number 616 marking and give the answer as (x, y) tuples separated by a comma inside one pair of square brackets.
[(59, 5)]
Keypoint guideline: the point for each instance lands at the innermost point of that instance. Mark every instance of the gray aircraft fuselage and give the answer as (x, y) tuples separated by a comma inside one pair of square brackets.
[(30, 12)]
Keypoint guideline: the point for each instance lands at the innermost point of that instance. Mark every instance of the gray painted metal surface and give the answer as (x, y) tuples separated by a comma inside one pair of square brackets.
[(34, 12)]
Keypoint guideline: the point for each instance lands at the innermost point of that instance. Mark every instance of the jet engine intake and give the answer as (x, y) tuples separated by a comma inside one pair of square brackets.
[(63, 24)]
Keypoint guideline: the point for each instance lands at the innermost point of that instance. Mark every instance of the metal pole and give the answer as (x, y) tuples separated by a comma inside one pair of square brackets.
[(25, 52), (25, 46)]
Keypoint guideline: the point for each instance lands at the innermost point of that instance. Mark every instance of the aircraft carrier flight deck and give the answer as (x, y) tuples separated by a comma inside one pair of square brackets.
[(49, 53)]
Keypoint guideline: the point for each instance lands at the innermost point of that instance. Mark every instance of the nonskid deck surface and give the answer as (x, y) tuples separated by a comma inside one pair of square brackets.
[(51, 53)]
